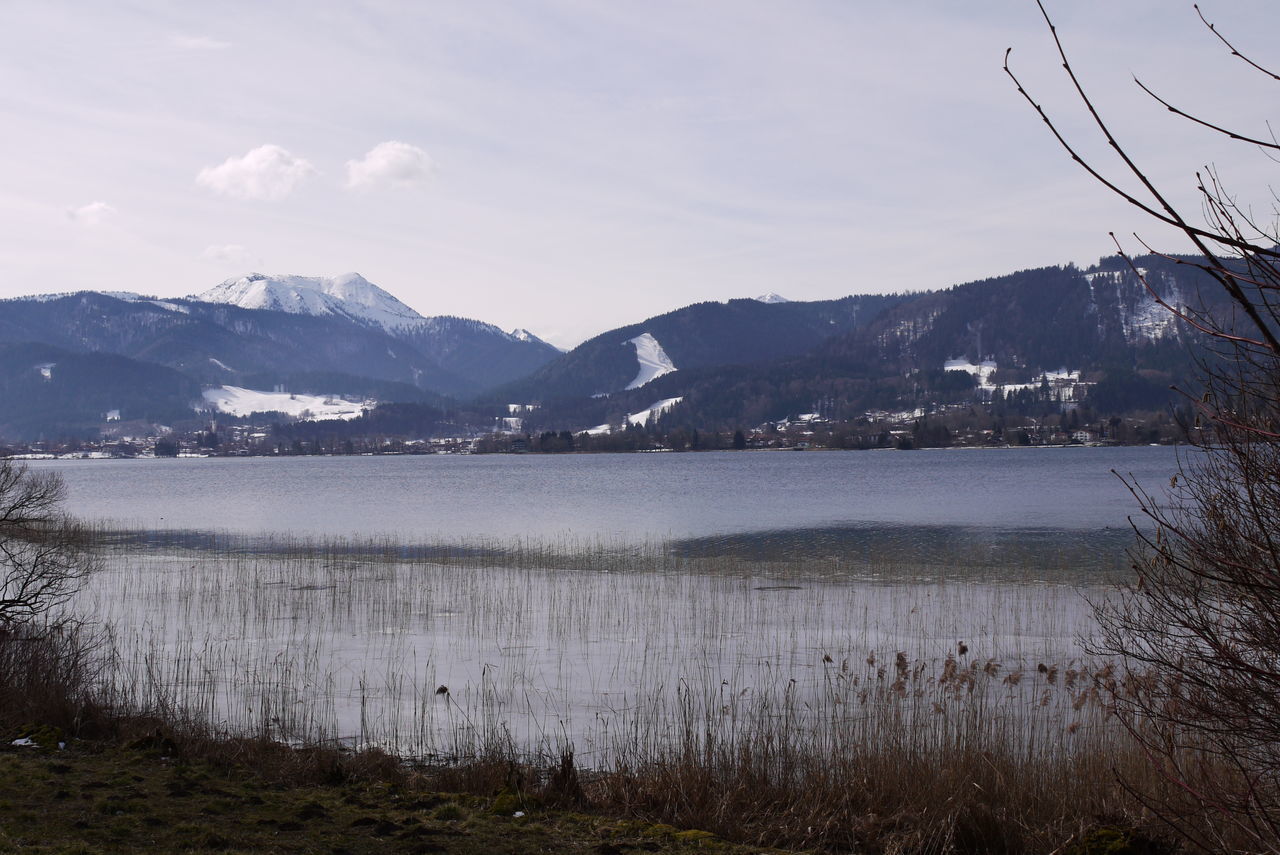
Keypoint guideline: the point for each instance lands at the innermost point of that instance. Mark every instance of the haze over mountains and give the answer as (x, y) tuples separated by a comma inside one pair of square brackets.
[(334, 347)]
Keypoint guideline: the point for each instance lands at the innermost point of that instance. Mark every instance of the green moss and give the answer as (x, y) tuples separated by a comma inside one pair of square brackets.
[(43, 735), (1114, 841), (449, 812), (660, 829), (507, 804)]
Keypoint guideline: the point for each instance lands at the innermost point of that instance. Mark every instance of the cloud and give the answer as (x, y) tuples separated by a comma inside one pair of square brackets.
[(183, 42), (228, 254), (92, 214), (390, 164), (266, 172)]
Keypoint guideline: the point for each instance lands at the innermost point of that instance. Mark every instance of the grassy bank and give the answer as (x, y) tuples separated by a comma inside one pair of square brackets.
[(138, 798)]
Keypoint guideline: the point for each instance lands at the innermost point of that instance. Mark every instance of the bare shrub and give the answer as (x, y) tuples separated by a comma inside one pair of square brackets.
[(1201, 621), (44, 554)]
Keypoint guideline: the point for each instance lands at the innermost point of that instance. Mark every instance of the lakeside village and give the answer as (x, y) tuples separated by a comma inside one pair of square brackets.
[(1065, 418)]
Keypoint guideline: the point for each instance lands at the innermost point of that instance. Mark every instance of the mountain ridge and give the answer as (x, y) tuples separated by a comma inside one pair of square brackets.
[(1026, 342), (282, 325)]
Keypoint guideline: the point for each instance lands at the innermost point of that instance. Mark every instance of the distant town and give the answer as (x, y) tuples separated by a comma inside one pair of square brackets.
[(953, 426)]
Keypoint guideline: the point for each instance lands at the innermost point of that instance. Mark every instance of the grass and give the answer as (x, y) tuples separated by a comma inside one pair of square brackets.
[(807, 705), (98, 798)]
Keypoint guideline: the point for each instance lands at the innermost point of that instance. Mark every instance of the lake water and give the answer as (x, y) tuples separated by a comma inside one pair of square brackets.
[(588, 597), (625, 497)]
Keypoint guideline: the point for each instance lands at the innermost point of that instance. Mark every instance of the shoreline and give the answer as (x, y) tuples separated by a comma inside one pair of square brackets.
[(187, 456)]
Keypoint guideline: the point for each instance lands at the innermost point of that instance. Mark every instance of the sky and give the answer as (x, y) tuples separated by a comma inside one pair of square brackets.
[(569, 166)]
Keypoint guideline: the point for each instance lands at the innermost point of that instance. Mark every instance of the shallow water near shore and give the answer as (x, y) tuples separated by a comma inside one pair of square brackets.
[(544, 647)]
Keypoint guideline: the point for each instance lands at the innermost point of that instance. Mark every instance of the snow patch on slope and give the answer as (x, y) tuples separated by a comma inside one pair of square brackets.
[(135, 297), (641, 418), (1142, 317), (1148, 320), (1115, 275), (238, 401), (653, 360), (982, 370), (654, 410), (1064, 383)]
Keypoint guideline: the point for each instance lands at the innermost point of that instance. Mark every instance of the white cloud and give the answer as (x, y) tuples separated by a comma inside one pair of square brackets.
[(183, 42), (232, 254), (266, 172), (92, 214), (390, 164)]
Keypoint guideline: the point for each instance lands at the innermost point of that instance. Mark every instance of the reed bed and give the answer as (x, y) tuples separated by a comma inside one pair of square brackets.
[(847, 704)]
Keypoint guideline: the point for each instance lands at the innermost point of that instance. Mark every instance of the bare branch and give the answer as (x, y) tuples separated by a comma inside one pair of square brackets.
[(1210, 125), (1232, 47), (1198, 630), (44, 555)]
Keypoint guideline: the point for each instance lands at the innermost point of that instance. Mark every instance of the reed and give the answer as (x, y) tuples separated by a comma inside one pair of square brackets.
[(833, 702)]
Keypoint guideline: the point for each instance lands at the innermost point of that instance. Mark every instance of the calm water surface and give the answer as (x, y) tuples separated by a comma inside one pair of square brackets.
[(715, 496)]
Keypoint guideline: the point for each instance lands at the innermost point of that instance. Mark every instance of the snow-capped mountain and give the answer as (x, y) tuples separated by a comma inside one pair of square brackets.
[(522, 334), (771, 298), (477, 354), (340, 338), (349, 295)]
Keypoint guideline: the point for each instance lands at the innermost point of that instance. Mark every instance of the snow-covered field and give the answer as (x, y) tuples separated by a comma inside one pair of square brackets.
[(653, 360), (237, 401), (982, 370)]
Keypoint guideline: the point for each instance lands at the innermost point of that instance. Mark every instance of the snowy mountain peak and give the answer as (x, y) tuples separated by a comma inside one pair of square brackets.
[(348, 295), (521, 334), (772, 298)]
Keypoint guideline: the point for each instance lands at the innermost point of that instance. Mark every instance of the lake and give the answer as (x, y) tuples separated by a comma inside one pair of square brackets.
[(589, 599), (625, 497)]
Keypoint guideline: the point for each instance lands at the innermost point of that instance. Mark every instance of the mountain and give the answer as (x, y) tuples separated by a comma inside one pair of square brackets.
[(1033, 342), (703, 335), (341, 336), (1036, 344), (1038, 319), (283, 326), (474, 355), (480, 354), (215, 343), (349, 295), (47, 389)]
